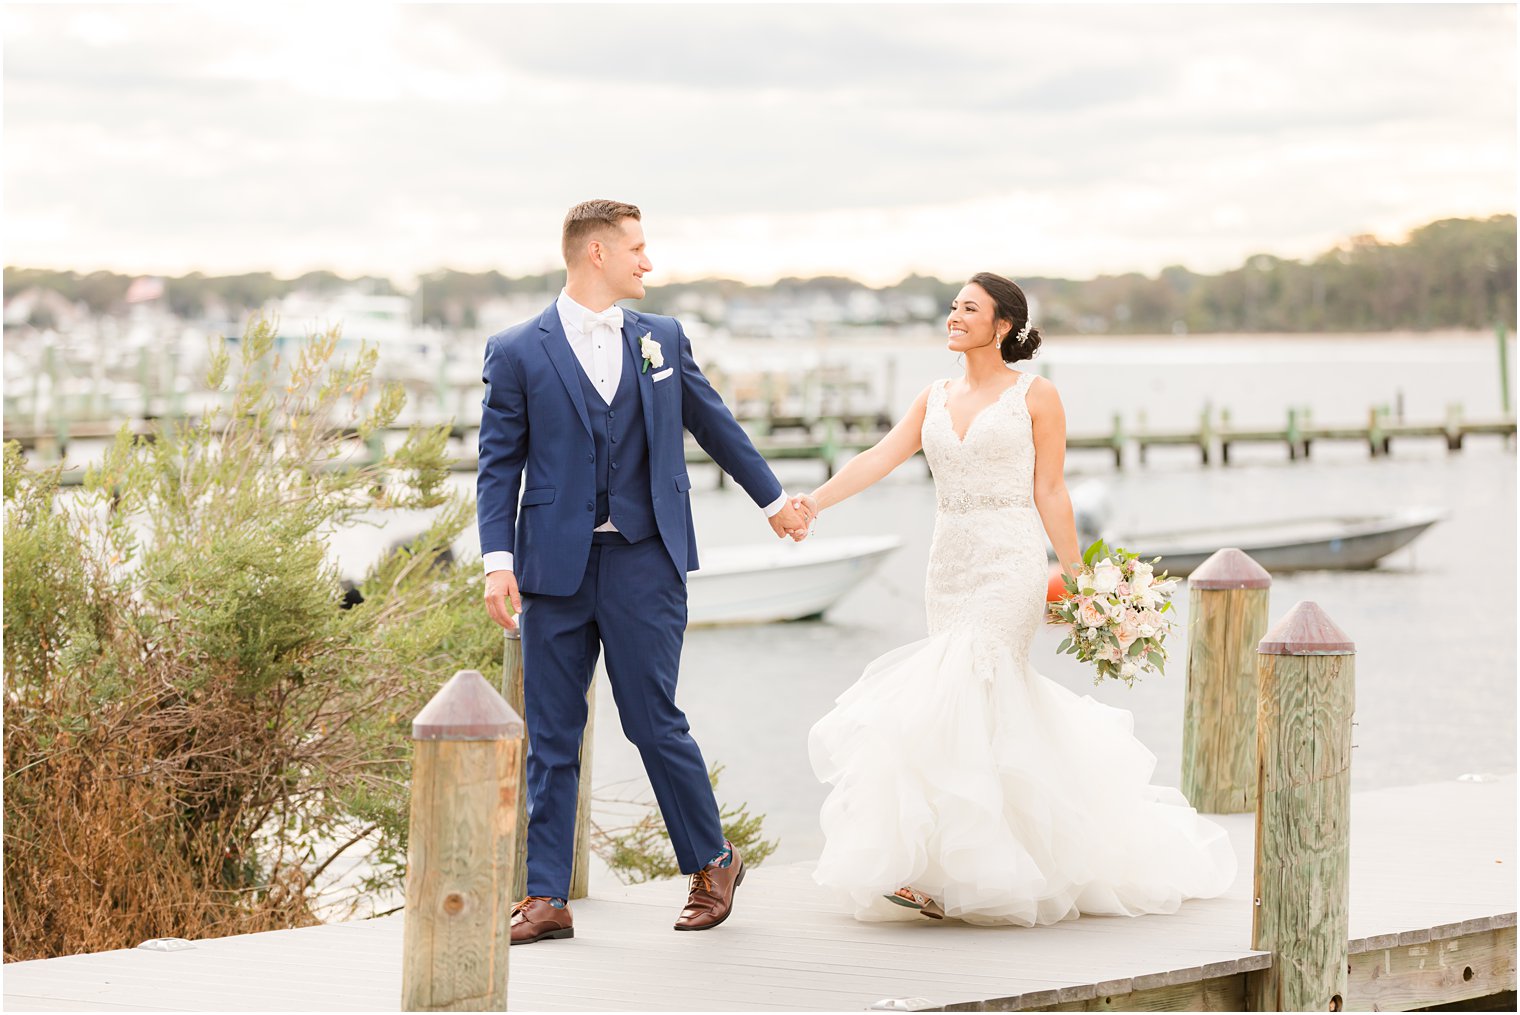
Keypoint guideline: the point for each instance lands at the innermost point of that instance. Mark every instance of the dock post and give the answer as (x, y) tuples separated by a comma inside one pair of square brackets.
[(1454, 426), (1500, 333), (1227, 616), (580, 867), (512, 691), (1375, 442), (467, 754), (1224, 436), (1140, 429), (1118, 441), (1306, 695), (1306, 418), (829, 450), (1206, 433), (1292, 434)]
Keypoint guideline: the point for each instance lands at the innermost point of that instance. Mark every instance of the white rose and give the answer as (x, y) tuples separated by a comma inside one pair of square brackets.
[(1110, 653), (1143, 576), (1085, 582), (1106, 577), (652, 351), (1128, 668)]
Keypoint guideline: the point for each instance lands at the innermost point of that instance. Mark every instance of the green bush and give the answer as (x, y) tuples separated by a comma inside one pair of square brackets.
[(194, 728)]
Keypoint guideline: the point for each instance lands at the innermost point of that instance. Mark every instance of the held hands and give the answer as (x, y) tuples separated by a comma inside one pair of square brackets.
[(500, 587), (796, 518)]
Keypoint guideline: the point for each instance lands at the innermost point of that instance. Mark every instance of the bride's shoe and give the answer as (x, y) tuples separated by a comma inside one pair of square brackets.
[(912, 898)]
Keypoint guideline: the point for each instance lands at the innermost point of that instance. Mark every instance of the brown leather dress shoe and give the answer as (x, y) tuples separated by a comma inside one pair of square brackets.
[(712, 896), (533, 919)]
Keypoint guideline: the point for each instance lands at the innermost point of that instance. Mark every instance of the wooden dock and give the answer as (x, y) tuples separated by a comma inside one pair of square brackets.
[(1432, 921), (829, 440)]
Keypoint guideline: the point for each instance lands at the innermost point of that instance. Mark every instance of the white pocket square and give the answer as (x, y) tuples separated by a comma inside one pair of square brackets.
[(663, 374)]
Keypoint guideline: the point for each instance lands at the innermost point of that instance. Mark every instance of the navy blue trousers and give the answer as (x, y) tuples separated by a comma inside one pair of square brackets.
[(632, 603)]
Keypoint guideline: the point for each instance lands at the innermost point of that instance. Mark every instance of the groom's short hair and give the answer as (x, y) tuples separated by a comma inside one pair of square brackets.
[(589, 218)]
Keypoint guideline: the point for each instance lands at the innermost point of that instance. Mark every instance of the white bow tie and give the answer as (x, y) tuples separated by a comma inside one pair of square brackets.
[(612, 317)]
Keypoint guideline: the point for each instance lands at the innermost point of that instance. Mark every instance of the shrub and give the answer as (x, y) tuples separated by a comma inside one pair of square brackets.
[(194, 729)]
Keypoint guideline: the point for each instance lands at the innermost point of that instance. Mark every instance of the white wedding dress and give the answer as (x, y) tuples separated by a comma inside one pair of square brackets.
[(959, 770)]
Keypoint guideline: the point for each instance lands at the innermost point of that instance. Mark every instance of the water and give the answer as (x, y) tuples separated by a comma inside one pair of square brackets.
[(1171, 380), (1434, 624)]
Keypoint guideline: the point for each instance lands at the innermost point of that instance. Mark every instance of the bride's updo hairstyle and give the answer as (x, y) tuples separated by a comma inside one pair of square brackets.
[(1010, 306)]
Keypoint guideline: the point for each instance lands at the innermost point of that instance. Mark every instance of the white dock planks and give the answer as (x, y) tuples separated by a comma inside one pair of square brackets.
[(1430, 857)]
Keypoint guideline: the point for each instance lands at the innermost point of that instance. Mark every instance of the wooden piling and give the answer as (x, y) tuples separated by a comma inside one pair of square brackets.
[(1454, 426), (467, 756), (1227, 616), (1306, 695), (1118, 441), (512, 691)]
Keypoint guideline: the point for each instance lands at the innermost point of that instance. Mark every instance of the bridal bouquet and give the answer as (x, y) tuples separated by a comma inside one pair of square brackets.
[(1115, 609)]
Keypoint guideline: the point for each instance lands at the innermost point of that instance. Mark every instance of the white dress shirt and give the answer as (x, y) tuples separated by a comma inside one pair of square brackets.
[(597, 341)]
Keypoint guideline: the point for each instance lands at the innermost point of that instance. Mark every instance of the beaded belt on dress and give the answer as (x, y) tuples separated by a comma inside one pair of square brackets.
[(963, 503)]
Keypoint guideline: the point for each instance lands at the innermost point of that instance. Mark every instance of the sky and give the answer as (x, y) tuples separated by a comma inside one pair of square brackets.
[(870, 140)]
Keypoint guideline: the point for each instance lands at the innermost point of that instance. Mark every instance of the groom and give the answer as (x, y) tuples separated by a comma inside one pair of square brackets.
[(584, 411)]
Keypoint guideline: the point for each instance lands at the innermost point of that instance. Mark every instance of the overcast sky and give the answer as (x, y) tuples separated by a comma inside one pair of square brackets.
[(868, 140)]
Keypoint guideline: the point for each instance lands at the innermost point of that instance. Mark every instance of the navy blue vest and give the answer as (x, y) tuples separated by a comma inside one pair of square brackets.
[(622, 454)]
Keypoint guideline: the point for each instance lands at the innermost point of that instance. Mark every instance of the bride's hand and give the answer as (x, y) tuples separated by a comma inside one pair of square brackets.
[(807, 505)]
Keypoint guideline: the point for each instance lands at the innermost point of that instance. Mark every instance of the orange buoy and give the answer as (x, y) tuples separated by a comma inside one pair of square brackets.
[(1055, 587)]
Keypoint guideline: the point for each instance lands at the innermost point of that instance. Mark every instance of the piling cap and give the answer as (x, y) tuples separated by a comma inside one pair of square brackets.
[(1306, 630), (1229, 568), (467, 708)]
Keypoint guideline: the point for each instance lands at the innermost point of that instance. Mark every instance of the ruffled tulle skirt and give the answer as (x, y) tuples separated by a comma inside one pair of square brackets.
[(961, 771)]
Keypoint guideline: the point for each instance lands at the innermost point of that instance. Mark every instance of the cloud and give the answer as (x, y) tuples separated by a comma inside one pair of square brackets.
[(759, 140)]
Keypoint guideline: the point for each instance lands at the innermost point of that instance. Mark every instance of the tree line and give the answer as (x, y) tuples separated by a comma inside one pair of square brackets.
[(1452, 273)]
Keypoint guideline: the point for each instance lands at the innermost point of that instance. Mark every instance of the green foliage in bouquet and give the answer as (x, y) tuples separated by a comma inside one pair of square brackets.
[(195, 731), (1116, 610)]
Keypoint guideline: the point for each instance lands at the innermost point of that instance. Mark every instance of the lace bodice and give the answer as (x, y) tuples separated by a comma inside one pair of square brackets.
[(994, 465), (987, 568)]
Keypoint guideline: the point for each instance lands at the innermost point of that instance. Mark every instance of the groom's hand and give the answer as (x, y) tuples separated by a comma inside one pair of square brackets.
[(500, 587), (789, 522)]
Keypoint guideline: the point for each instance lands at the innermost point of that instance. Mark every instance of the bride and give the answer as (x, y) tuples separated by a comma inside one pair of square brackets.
[(965, 783)]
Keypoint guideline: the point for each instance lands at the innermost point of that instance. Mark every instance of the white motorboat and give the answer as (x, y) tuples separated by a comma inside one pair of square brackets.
[(766, 582)]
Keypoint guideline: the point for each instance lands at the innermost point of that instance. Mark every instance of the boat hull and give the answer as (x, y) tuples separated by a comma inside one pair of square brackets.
[(764, 584), (1341, 544)]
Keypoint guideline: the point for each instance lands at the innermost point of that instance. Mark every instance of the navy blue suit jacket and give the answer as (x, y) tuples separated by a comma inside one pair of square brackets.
[(535, 437)]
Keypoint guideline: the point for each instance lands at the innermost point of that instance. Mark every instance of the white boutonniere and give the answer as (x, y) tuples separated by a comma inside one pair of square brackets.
[(654, 356)]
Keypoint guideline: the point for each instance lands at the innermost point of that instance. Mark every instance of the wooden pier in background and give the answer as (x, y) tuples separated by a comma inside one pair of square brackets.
[(831, 440), (1432, 920)]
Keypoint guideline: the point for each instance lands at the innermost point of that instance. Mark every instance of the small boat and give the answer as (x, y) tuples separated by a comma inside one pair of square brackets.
[(766, 582), (1340, 543)]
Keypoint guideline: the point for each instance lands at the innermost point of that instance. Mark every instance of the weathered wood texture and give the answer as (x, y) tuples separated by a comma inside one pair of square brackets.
[(1224, 993), (1445, 971), (512, 690), (460, 851), (1228, 603), (580, 867), (1303, 815)]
